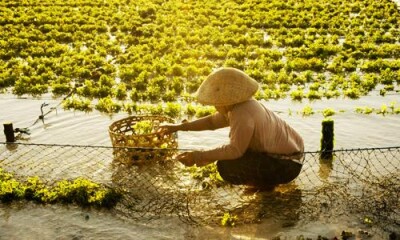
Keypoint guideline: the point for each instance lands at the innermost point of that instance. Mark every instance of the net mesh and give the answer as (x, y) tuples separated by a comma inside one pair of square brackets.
[(357, 182)]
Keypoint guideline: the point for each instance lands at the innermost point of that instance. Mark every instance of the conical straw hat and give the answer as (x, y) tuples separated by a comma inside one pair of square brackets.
[(226, 86)]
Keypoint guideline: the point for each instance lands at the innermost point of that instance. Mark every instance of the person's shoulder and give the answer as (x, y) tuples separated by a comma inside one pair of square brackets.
[(248, 106), (247, 103)]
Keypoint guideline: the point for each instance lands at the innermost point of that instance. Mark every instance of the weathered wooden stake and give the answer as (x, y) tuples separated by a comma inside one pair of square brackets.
[(327, 139), (9, 132)]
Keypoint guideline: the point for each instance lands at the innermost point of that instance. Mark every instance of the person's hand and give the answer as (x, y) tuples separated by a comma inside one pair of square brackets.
[(167, 129), (189, 159), (170, 128), (186, 158)]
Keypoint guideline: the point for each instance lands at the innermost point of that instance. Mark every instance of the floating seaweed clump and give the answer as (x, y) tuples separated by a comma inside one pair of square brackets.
[(79, 191)]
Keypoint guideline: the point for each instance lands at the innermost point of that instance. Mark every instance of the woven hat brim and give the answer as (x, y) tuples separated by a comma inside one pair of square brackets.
[(226, 86)]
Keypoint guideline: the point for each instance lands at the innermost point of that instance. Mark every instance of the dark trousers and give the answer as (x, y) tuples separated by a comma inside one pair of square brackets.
[(259, 170)]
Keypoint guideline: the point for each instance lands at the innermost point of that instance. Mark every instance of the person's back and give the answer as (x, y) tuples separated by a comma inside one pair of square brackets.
[(267, 132), (271, 133)]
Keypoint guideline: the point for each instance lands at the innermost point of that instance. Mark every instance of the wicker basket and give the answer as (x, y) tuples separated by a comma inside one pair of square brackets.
[(131, 147)]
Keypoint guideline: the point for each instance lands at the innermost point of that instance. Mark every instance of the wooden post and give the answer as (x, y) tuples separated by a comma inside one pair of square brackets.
[(9, 132), (327, 139)]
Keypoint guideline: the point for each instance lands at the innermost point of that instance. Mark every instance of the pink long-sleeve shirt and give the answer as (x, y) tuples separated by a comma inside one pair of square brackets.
[(252, 127)]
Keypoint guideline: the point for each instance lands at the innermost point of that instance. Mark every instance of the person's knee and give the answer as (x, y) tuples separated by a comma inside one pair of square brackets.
[(237, 172), (293, 172)]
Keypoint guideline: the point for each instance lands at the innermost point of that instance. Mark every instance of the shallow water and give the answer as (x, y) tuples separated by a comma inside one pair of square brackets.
[(55, 222), (76, 128), (352, 130)]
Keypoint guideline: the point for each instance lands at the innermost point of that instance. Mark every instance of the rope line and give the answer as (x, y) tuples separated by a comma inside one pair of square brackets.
[(188, 149)]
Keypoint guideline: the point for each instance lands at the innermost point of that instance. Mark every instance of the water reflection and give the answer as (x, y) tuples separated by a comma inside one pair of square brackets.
[(281, 205), (11, 146), (325, 167)]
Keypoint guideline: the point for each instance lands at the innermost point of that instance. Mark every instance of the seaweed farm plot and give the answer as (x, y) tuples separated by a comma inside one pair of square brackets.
[(363, 183), (150, 50)]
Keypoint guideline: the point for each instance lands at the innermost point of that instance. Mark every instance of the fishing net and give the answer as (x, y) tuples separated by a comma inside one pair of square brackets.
[(357, 182)]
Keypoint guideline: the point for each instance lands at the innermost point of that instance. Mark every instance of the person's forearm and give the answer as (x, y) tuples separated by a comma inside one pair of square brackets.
[(201, 124), (224, 152)]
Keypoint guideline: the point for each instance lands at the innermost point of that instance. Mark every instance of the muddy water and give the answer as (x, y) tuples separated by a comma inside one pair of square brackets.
[(67, 127)]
